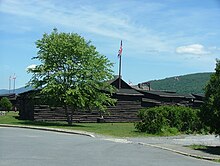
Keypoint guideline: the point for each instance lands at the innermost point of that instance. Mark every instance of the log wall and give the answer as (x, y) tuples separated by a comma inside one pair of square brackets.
[(123, 111)]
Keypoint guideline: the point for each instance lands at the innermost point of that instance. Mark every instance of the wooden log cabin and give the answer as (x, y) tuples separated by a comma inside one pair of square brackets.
[(129, 101), (127, 105)]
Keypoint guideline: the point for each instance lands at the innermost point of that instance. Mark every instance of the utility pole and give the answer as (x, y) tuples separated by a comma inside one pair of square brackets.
[(9, 87), (14, 78)]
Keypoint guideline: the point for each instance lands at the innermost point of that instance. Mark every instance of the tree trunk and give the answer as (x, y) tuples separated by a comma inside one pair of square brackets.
[(69, 116)]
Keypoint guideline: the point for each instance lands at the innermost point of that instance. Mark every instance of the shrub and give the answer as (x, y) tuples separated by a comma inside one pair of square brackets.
[(5, 104), (155, 120), (152, 121)]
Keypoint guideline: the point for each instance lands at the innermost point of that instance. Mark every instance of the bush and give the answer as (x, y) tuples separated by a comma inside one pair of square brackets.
[(152, 120), (5, 104), (157, 119)]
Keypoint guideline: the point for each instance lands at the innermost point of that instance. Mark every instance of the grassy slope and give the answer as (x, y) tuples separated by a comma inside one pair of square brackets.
[(192, 83)]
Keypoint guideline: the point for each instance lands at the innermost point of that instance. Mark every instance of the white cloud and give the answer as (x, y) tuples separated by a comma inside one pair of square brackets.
[(196, 49), (84, 18), (30, 67)]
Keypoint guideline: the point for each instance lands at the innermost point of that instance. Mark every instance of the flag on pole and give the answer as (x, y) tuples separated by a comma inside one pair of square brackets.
[(120, 50), (14, 77)]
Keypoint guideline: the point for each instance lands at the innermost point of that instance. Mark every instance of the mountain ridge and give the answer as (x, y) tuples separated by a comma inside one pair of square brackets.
[(17, 91), (183, 84)]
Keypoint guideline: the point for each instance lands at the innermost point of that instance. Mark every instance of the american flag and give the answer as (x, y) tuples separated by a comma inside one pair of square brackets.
[(14, 77), (120, 50)]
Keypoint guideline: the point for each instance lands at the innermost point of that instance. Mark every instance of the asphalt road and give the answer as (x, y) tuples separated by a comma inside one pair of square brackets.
[(25, 147)]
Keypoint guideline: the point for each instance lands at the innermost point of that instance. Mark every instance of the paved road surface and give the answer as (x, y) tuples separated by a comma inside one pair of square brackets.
[(25, 147)]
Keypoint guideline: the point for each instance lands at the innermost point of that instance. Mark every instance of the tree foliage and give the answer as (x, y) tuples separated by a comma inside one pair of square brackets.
[(211, 107), (72, 73), (5, 104)]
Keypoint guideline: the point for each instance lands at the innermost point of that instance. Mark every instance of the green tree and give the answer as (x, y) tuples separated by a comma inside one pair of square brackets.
[(211, 107), (72, 73), (5, 104)]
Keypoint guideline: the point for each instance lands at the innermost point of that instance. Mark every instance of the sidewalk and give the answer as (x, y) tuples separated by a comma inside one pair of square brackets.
[(178, 144)]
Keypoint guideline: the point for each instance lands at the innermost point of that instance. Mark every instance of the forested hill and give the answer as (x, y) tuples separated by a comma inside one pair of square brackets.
[(191, 83)]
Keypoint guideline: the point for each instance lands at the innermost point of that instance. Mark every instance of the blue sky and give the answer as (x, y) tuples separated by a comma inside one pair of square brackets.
[(161, 38)]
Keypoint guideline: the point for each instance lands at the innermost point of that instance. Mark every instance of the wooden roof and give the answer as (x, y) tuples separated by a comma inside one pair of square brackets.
[(115, 82), (125, 88), (10, 96), (165, 94), (199, 96), (130, 92)]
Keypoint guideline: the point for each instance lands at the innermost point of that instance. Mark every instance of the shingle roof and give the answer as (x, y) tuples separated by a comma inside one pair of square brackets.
[(128, 92), (163, 93), (11, 96), (113, 80), (8, 95)]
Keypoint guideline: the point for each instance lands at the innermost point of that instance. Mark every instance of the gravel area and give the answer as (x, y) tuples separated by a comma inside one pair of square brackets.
[(185, 140), (179, 144)]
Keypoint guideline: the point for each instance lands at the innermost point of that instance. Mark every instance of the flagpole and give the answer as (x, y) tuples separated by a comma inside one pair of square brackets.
[(119, 55), (119, 79)]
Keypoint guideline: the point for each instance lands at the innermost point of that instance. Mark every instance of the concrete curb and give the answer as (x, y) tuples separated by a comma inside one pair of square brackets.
[(180, 152), (51, 129), (121, 140)]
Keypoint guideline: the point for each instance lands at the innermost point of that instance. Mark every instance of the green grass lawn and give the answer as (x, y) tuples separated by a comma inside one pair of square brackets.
[(198, 147), (110, 129)]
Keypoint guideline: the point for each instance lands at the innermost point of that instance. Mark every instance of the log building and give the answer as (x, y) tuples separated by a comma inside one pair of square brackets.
[(129, 101)]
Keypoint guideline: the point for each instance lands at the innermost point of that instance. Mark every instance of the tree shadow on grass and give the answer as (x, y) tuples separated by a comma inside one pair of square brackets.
[(50, 124), (215, 150)]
